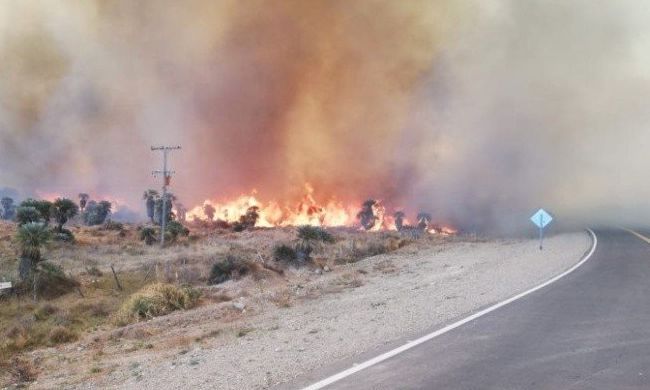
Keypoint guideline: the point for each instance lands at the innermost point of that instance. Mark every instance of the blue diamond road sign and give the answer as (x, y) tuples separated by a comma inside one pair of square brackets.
[(541, 218)]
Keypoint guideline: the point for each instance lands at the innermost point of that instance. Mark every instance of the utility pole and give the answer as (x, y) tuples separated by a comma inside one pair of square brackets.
[(166, 174)]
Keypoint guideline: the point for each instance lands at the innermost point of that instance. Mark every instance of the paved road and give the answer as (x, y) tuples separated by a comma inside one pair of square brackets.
[(589, 330)]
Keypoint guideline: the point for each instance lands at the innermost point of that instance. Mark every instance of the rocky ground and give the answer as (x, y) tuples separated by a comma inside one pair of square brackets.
[(265, 333)]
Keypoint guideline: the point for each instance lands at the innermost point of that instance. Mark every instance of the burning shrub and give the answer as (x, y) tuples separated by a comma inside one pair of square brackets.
[(248, 220), (285, 253), (221, 224), (399, 220), (231, 267), (156, 300), (367, 214), (209, 211), (424, 219), (314, 233)]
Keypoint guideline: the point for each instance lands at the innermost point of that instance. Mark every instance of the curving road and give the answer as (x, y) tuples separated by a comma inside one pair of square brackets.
[(588, 330)]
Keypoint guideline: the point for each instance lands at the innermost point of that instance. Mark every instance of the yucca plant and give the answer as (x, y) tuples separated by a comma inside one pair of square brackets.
[(63, 210), (31, 237)]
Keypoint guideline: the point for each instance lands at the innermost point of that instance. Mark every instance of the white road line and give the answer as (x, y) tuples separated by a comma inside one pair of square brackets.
[(369, 363), (639, 235)]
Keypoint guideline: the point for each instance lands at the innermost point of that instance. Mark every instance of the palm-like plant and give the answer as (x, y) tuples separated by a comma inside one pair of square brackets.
[(31, 237), (148, 235), (150, 197), (367, 214), (399, 220), (424, 219), (44, 208), (8, 208), (27, 214), (63, 209)]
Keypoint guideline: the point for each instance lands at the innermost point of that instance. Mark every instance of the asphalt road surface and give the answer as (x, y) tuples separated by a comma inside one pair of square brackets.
[(588, 330)]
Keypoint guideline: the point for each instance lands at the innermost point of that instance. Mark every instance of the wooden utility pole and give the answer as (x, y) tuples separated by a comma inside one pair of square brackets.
[(166, 174)]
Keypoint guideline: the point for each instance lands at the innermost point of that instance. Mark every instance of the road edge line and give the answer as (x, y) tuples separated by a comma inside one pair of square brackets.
[(638, 235), (387, 355)]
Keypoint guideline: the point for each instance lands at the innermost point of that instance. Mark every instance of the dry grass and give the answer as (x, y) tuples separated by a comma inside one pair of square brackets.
[(20, 371), (26, 325), (156, 300)]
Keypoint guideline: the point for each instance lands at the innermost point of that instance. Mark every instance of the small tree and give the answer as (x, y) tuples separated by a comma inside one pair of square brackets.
[(27, 214), (97, 212), (8, 208), (31, 237), (83, 201), (158, 210), (150, 197), (250, 218), (63, 210), (209, 211)]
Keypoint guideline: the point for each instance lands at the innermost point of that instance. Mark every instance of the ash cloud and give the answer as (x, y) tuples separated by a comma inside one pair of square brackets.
[(476, 111)]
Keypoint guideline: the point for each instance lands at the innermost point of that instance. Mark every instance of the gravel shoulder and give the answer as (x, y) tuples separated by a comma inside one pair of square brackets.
[(341, 314), (411, 293)]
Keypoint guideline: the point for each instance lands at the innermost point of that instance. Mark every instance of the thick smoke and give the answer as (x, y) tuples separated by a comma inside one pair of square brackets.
[(476, 111)]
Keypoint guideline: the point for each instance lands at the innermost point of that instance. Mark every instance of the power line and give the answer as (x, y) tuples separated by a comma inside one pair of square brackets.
[(166, 174)]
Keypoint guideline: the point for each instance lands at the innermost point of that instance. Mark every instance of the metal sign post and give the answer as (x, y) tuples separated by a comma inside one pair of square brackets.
[(541, 219)]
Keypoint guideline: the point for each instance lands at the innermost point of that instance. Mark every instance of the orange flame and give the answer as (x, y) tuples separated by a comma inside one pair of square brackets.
[(307, 211)]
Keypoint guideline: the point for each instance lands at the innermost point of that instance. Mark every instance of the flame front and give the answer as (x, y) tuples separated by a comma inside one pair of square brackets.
[(306, 211)]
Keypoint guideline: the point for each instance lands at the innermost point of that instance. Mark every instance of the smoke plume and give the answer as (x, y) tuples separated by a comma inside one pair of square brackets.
[(477, 112)]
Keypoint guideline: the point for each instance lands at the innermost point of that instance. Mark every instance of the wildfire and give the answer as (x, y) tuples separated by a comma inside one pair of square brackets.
[(372, 215), (307, 211)]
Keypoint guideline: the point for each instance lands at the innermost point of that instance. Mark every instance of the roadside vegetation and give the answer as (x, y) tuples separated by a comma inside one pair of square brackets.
[(75, 272)]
